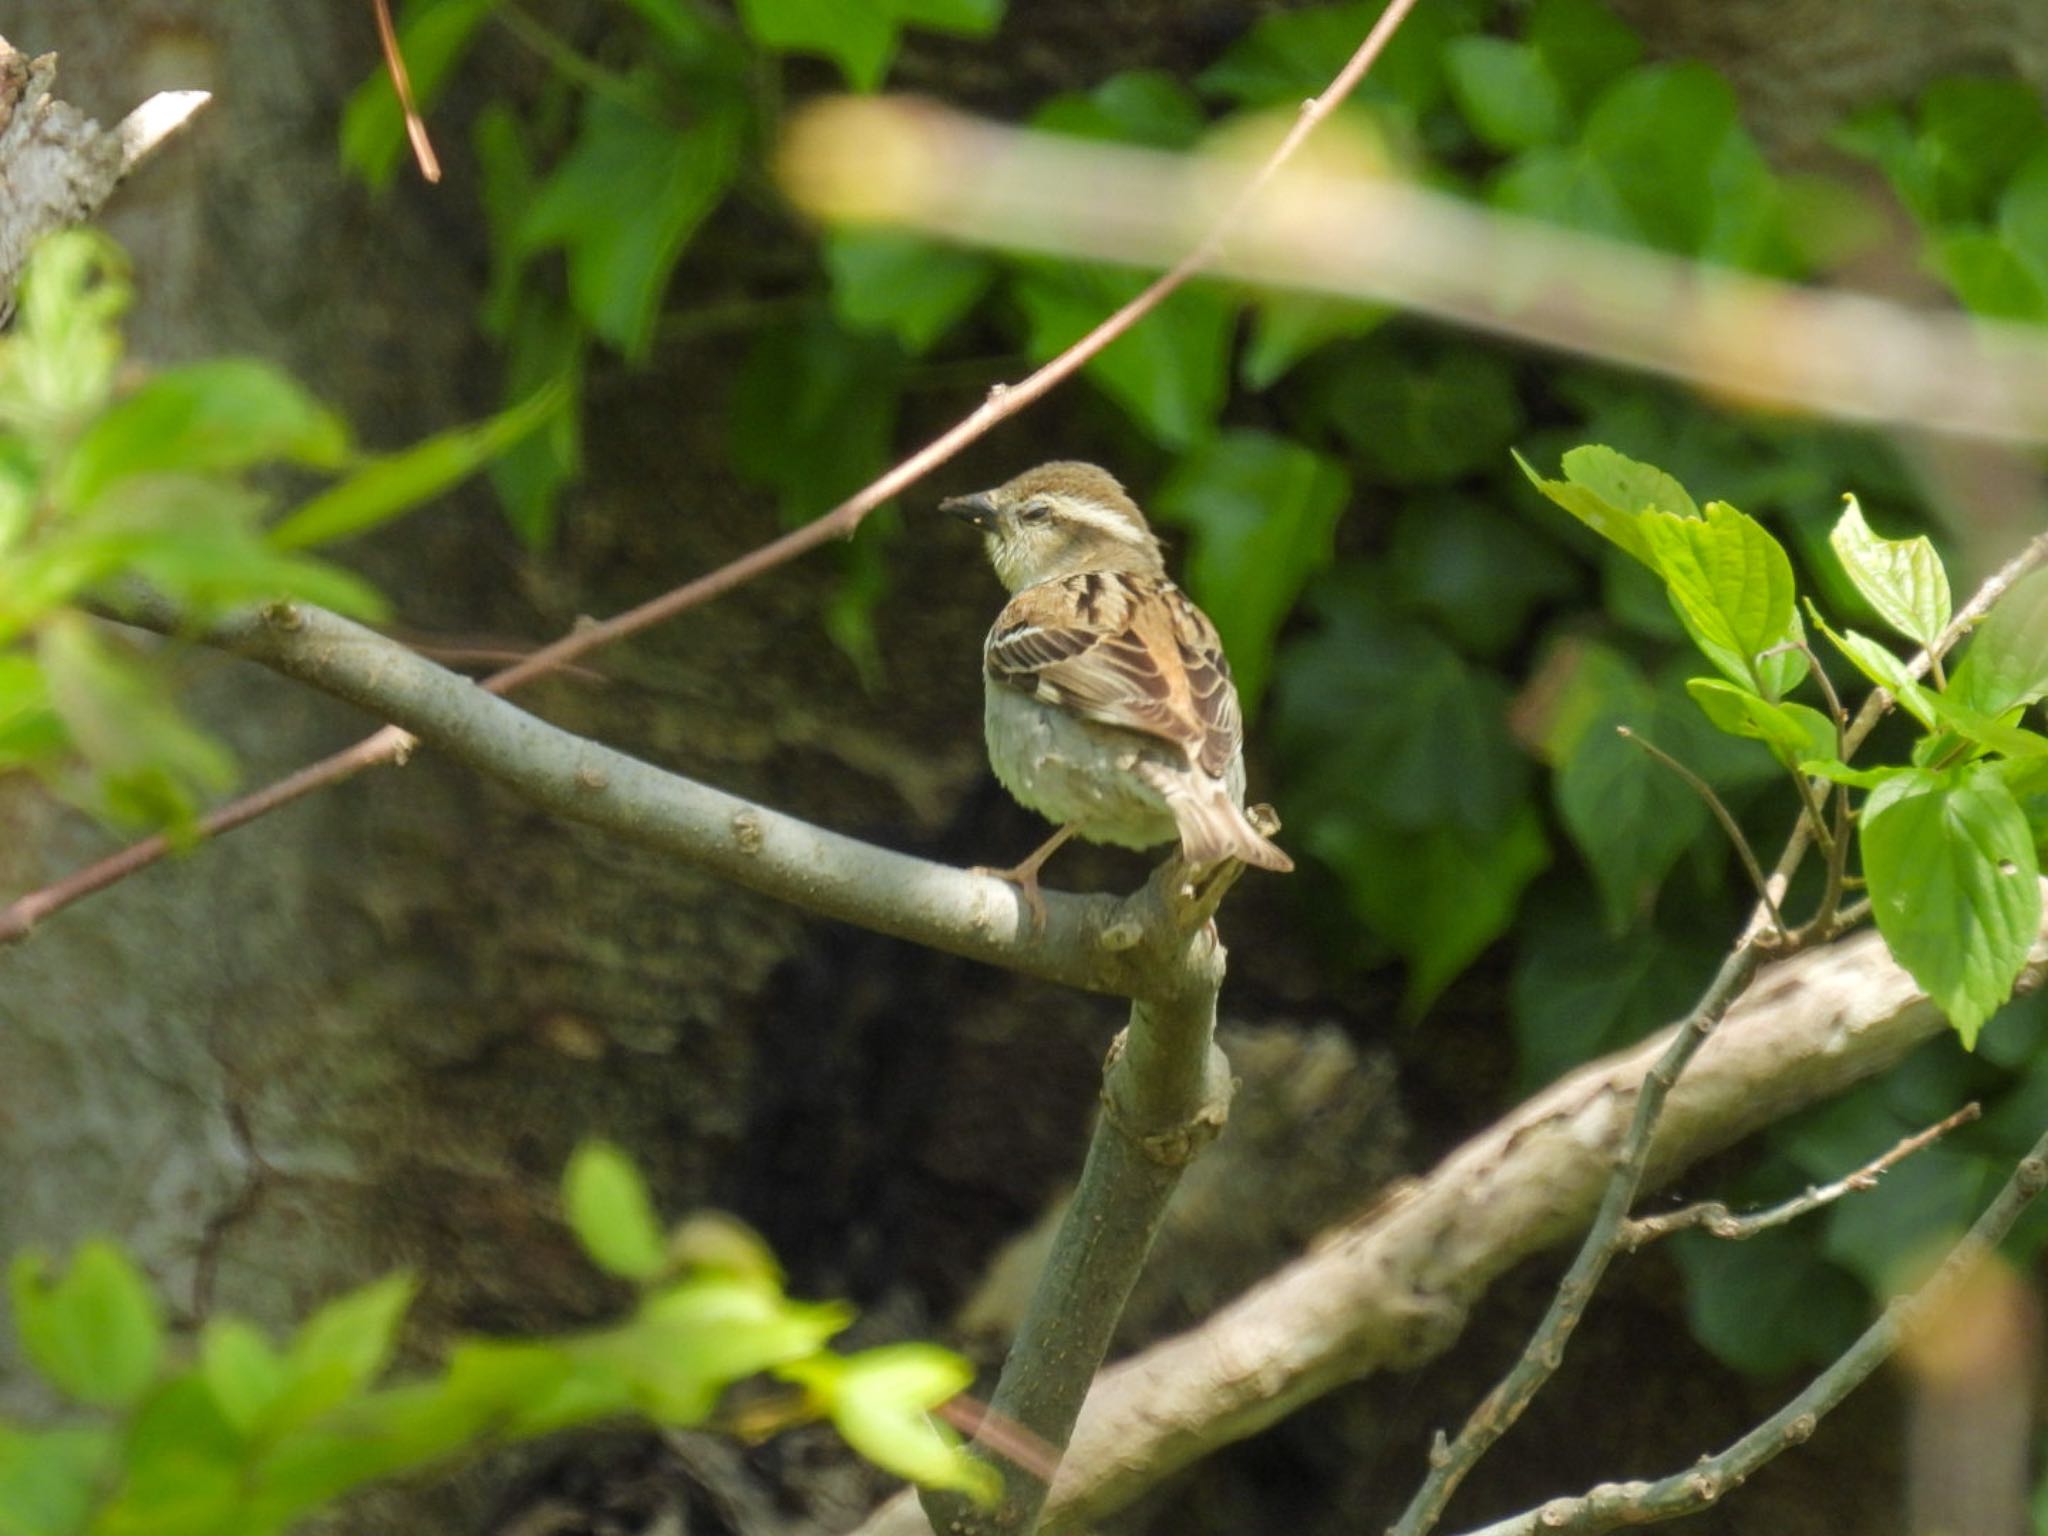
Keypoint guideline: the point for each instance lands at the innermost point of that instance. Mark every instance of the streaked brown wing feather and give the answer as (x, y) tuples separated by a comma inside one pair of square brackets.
[(1127, 651)]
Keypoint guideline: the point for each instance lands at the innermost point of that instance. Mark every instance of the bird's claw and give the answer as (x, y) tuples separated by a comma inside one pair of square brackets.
[(1026, 882)]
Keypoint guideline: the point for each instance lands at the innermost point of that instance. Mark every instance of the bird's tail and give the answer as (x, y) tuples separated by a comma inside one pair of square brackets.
[(1213, 827)]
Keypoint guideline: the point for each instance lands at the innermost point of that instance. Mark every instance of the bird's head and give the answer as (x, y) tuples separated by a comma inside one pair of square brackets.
[(1060, 519)]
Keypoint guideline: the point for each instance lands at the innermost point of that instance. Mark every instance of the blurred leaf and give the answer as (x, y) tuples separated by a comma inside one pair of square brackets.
[(622, 204), (1579, 992), (1139, 106), (1731, 583), (1630, 816), (1955, 886), (1902, 579), (814, 413), (338, 1352), (1286, 327), (49, 1479), (881, 1400), (1767, 1304), (94, 1331), (148, 763), (57, 362), (383, 488), (1974, 134), (1289, 56), (2023, 215), (1411, 421), (1506, 91), (967, 18), (2007, 662), (1919, 1207), (241, 1369), (915, 289), (610, 1212), (545, 344), (1989, 276), (685, 30), (1378, 716), (1440, 896), (433, 35), (1171, 371), (30, 731), (693, 1340), (1563, 185), (857, 35), (183, 1465), (227, 414), (1264, 512), (1477, 572), (1583, 45)]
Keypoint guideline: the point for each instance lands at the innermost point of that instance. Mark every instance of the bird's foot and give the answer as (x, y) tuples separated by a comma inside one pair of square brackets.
[(1024, 876)]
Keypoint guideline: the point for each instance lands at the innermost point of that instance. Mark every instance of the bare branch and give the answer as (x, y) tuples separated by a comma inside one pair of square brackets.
[(58, 165), (1715, 1216), (1393, 1288), (1615, 1505), (1705, 791), (1450, 1461)]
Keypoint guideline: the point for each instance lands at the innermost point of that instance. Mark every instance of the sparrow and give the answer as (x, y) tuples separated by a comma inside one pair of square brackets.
[(1109, 707)]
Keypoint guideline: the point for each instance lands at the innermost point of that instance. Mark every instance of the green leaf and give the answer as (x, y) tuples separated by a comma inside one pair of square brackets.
[(1835, 771), (49, 1480), (1955, 887), (241, 1369), (1287, 327), (915, 289), (383, 488), (2007, 664), (227, 414), (1883, 669), (1582, 44), (1264, 511), (1474, 570), (857, 35), (1768, 1304), (967, 18), (57, 364), (814, 413), (609, 1210), (1995, 734), (1793, 732), (338, 1352), (433, 36), (94, 1332), (1975, 132), (693, 1340), (622, 204), (1140, 106), (1289, 56), (544, 343), (1731, 585), (1506, 91), (1171, 372), (881, 1400), (1989, 276), (1902, 579), (149, 764), (1438, 896), (182, 1463), (1578, 991), (1609, 493), (1418, 421), (2023, 215)]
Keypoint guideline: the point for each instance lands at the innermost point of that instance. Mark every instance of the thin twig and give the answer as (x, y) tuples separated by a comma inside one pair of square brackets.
[(1451, 1460), (1613, 1506), (1705, 791), (401, 83), (1715, 1216), (1002, 403)]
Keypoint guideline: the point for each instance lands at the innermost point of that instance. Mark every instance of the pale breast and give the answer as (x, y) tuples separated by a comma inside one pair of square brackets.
[(1073, 772)]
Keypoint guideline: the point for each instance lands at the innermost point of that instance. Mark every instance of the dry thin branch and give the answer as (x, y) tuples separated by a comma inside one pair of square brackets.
[(1003, 402), (1394, 1288), (401, 87), (1715, 1216), (1450, 1461), (1615, 1505)]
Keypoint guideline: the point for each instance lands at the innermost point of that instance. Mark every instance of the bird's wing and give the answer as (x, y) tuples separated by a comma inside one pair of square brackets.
[(1128, 651)]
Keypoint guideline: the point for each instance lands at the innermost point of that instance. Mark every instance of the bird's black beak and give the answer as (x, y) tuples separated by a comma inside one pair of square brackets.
[(977, 509)]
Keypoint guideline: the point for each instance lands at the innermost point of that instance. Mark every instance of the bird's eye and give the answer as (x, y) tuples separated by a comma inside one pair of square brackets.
[(1034, 511)]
